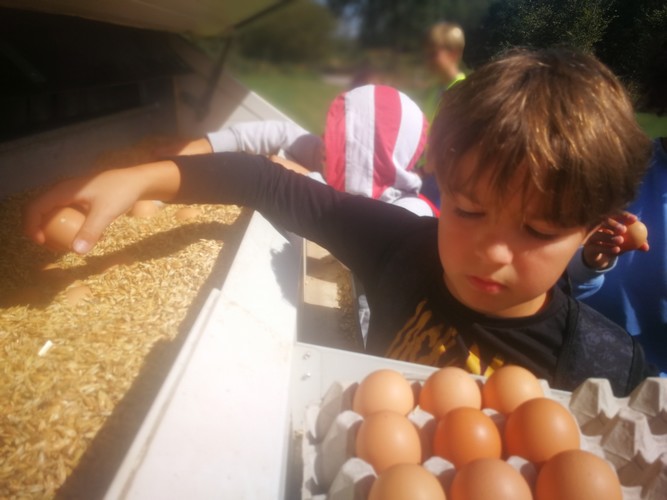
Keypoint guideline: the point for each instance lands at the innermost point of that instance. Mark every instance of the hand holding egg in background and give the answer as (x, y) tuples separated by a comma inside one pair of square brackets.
[(615, 236)]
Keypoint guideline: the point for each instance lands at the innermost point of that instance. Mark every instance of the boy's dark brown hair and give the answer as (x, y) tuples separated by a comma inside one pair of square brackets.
[(553, 120)]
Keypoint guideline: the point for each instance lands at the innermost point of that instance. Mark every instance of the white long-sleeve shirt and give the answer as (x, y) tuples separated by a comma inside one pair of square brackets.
[(271, 137)]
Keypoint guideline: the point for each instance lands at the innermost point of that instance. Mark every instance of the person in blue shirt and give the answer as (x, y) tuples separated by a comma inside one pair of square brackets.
[(631, 289)]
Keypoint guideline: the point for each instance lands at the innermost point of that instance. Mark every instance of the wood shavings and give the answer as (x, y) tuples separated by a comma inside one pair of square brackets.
[(142, 278)]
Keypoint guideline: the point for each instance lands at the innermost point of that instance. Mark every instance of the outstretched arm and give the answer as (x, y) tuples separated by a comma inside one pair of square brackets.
[(357, 230)]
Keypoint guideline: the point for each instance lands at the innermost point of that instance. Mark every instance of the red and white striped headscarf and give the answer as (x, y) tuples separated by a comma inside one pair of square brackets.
[(374, 135)]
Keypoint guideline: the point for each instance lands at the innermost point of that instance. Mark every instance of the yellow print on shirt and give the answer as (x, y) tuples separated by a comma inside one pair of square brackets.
[(425, 341)]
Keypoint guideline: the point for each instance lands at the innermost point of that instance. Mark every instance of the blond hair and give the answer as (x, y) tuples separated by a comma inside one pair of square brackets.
[(556, 121), (445, 35)]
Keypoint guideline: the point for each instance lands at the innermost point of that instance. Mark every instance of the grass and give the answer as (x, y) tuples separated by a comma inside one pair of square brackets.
[(302, 96), (305, 97)]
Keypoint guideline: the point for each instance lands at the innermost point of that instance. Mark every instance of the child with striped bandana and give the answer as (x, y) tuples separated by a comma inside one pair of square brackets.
[(372, 139)]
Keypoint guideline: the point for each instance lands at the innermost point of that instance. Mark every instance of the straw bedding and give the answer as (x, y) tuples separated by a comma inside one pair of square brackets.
[(141, 279)]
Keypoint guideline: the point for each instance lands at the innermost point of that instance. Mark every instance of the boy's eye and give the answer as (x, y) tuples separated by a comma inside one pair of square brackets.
[(539, 234), (468, 214)]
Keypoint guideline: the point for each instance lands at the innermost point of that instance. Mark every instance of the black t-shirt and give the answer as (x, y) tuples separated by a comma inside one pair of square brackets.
[(413, 315)]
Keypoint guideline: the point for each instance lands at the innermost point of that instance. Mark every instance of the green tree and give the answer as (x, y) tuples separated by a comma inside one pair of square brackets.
[(545, 23), (300, 32), (635, 45), (401, 24), (628, 35)]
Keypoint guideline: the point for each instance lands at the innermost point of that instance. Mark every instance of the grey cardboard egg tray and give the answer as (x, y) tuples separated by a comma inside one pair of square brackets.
[(630, 433)]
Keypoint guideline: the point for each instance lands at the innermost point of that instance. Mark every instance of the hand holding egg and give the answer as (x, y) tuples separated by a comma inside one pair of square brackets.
[(61, 227), (616, 235), (104, 197), (635, 237)]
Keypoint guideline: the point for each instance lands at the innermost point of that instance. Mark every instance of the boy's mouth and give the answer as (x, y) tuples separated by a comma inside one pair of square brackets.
[(485, 285)]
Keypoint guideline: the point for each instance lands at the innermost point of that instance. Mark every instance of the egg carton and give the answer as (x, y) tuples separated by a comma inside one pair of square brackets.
[(630, 433)]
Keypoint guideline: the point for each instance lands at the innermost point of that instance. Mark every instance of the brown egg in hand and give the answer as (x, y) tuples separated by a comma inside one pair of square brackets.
[(61, 226), (635, 237)]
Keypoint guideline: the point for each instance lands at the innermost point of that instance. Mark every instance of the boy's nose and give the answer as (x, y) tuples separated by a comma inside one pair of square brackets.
[(496, 249)]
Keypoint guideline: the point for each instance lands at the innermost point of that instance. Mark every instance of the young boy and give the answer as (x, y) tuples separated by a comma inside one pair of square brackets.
[(444, 49), (444, 46), (531, 152)]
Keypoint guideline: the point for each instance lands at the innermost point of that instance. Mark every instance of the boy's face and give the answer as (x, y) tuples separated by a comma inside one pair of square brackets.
[(501, 260), (444, 62)]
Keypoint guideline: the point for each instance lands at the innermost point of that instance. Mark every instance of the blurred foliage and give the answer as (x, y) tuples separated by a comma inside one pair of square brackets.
[(545, 23), (401, 24), (300, 32), (628, 35)]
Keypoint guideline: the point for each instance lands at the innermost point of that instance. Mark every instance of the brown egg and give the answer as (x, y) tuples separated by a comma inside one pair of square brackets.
[(406, 482), (508, 387), (187, 213), (383, 390), (489, 479), (635, 237), (145, 209), (577, 475), (61, 226), (449, 388), (387, 438), (466, 434), (539, 429), (77, 293)]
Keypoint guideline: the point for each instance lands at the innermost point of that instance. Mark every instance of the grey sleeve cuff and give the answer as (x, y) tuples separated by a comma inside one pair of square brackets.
[(579, 272), (223, 140)]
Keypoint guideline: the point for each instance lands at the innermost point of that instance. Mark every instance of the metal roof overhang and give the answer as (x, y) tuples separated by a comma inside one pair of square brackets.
[(196, 17)]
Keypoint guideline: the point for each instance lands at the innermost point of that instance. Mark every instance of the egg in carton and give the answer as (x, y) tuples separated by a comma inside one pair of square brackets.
[(629, 433)]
